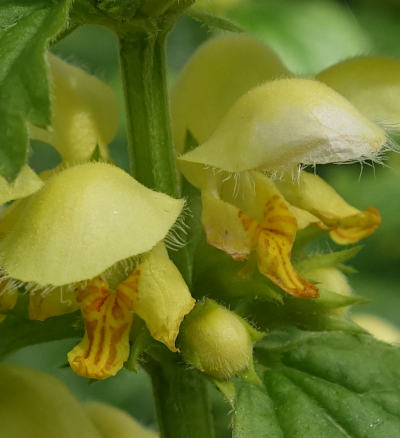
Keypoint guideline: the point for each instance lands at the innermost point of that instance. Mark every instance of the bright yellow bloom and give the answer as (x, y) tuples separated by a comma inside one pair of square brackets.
[(345, 223), (287, 122), (84, 113), (26, 183), (92, 237), (112, 422), (219, 72), (371, 83), (34, 404), (274, 127)]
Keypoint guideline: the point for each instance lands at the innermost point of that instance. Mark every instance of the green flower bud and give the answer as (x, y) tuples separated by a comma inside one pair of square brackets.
[(217, 341), (36, 405)]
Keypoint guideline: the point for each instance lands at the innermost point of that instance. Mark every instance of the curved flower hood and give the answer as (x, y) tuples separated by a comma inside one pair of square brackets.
[(84, 220)]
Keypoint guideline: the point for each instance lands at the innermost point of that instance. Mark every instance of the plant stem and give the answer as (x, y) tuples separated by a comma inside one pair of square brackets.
[(142, 57), (181, 401)]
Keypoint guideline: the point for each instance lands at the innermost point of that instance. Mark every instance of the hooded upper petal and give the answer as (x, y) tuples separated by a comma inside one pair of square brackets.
[(82, 221), (285, 122), (371, 83), (84, 113), (218, 73)]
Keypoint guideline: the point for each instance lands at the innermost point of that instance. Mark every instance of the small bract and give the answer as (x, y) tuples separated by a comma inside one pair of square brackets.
[(84, 220), (285, 122)]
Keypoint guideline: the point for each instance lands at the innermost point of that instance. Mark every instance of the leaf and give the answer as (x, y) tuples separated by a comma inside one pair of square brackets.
[(212, 21), (317, 385), (26, 27), (18, 331), (334, 259)]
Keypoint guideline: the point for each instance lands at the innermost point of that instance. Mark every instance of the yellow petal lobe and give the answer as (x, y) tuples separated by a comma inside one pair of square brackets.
[(26, 183), (370, 83), (163, 297), (345, 223), (231, 230), (285, 122), (351, 229), (227, 228), (45, 304), (85, 113), (218, 73), (275, 241), (108, 317)]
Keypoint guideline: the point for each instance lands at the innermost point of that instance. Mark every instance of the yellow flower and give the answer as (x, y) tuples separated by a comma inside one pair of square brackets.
[(345, 223), (370, 83), (36, 404), (112, 422), (84, 113), (273, 127), (92, 236), (219, 72)]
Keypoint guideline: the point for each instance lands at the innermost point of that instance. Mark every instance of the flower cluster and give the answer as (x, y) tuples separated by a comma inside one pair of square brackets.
[(88, 236), (258, 126)]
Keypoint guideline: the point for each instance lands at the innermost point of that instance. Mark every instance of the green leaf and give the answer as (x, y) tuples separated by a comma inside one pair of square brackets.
[(317, 385), (212, 21), (26, 27), (335, 258), (18, 331)]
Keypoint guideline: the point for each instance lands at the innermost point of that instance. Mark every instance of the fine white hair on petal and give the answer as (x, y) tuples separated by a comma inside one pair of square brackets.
[(177, 236)]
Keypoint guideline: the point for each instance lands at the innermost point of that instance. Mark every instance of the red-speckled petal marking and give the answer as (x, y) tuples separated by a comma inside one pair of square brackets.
[(275, 238), (108, 317)]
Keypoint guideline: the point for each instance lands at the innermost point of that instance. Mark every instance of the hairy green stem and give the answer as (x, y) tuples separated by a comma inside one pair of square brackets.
[(153, 163), (181, 401), (180, 394)]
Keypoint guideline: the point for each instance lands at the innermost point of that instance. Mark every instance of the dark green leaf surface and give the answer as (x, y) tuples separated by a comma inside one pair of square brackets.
[(321, 385), (26, 26)]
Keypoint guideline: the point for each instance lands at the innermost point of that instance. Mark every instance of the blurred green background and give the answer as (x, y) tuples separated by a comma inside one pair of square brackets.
[(309, 35)]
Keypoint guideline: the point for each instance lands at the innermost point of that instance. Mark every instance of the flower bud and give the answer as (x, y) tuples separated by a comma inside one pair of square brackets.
[(217, 341), (36, 405), (331, 279), (83, 220), (370, 83), (219, 72), (115, 423), (283, 123)]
